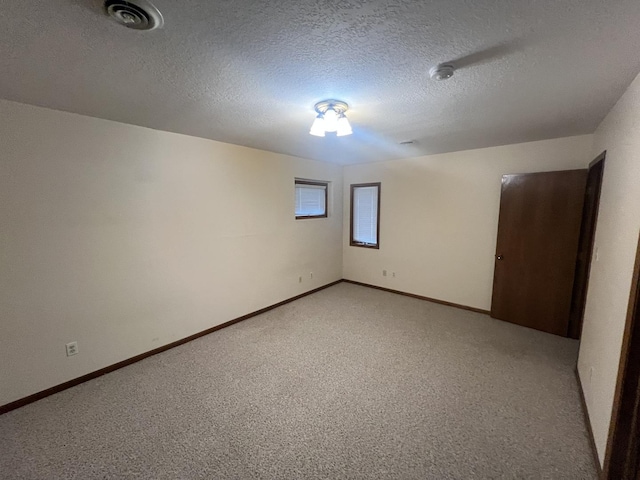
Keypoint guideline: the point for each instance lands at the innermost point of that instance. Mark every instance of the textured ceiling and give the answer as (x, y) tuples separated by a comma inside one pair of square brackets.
[(249, 72)]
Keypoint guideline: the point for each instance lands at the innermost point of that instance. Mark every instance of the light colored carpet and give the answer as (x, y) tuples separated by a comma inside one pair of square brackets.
[(348, 383)]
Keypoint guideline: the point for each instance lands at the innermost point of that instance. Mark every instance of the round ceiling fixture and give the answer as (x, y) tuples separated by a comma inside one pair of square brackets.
[(443, 71), (331, 118), (138, 15)]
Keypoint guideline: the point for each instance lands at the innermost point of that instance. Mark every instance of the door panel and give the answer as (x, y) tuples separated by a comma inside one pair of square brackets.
[(622, 458), (585, 245), (538, 232)]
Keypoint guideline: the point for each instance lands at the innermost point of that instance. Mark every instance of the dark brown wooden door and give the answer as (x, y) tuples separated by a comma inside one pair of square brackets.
[(622, 458), (538, 232), (585, 245)]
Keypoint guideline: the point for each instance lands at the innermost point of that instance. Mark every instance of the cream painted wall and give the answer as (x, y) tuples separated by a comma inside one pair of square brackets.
[(439, 217), (126, 239), (616, 241)]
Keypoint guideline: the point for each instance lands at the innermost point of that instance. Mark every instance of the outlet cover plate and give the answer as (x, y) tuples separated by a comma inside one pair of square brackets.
[(72, 348)]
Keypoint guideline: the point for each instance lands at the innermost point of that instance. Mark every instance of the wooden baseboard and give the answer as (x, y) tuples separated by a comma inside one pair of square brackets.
[(587, 422), (98, 373), (413, 295)]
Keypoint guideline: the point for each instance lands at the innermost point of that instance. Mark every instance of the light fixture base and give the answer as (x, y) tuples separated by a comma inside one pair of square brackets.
[(338, 106)]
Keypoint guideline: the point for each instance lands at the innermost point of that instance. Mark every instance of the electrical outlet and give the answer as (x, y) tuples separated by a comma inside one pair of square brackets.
[(393, 274), (311, 275), (72, 348), (299, 279), (384, 273)]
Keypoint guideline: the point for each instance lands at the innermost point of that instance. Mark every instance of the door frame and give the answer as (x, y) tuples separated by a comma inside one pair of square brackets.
[(622, 457), (585, 247)]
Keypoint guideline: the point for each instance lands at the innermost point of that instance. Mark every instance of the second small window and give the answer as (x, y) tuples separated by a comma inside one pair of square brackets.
[(365, 215), (311, 199)]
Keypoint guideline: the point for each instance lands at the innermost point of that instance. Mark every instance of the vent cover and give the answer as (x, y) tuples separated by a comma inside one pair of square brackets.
[(138, 15)]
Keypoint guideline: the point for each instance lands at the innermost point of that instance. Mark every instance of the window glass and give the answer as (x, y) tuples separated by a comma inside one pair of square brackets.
[(311, 199), (365, 215)]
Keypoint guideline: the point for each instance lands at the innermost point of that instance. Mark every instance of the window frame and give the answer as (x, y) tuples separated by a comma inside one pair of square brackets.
[(317, 183), (352, 242)]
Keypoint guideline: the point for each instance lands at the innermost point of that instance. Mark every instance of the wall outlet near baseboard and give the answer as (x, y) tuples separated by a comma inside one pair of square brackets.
[(393, 274), (384, 273), (311, 275), (300, 279), (72, 348)]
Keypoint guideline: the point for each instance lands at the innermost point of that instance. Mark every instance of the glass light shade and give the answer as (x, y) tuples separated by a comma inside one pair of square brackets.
[(344, 128), (317, 128), (330, 120)]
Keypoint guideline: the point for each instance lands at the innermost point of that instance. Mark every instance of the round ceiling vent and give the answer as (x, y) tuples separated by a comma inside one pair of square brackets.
[(442, 71), (138, 15)]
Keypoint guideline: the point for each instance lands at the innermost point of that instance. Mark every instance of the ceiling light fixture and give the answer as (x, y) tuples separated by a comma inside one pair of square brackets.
[(331, 118)]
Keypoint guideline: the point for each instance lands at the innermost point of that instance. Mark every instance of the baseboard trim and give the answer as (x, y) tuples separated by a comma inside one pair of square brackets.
[(98, 373), (420, 297), (587, 422)]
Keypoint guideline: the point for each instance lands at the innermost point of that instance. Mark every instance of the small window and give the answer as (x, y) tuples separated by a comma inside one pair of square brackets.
[(311, 199), (365, 215)]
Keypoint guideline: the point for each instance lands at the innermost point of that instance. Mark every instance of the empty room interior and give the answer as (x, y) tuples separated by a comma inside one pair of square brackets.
[(319, 239)]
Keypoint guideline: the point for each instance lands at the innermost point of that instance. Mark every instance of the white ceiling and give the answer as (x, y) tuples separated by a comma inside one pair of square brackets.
[(248, 72)]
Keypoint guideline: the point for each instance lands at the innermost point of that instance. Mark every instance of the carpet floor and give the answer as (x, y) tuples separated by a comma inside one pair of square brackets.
[(347, 383)]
